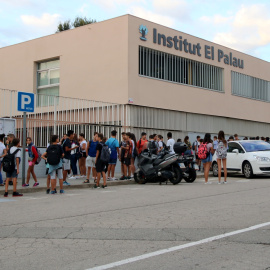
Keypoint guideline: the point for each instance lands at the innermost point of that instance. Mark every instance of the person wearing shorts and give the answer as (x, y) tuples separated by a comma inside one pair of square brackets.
[(83, 148), (126, 150), (91, 158), (32, 158), (113, 144), (100, 166), (221, 152), (67, 155), (207, 161), (55, 170), (13, 175)]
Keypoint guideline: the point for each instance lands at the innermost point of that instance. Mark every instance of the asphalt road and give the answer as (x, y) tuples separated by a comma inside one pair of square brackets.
[(87, 228)]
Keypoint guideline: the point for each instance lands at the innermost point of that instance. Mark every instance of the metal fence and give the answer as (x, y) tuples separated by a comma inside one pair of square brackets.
[(56, 115)]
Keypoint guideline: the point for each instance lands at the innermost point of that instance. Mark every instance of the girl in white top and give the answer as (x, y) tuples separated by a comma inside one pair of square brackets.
[(82, 160)]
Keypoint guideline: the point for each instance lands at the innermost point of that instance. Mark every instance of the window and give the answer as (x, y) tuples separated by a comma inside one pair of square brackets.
[(168, 67), (233, 146), (250, 87), (48, 81)]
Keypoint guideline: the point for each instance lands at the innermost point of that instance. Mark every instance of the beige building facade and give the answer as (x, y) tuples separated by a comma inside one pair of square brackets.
[(168, 80)]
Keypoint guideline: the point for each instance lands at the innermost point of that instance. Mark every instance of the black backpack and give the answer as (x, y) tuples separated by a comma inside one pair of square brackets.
[(9, 161), (152, 147), (54, 154), (105, 155)]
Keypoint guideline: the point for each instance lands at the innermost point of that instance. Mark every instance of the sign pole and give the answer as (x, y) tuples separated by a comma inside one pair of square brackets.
[(24, 146), (26, 103)]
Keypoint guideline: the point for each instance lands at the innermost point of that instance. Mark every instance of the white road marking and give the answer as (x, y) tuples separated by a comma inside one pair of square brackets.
[(176, 248), (33, 198), (242, 181), (7, 200)]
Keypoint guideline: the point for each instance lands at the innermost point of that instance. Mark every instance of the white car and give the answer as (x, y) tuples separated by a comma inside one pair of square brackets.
[(247, 157)]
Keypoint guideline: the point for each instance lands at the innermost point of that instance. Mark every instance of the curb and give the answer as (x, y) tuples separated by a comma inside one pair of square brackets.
[(78, 186), (41, 189)]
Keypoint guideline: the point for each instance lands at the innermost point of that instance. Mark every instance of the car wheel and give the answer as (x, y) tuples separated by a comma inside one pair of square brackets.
[(215, 169), (247, 170)]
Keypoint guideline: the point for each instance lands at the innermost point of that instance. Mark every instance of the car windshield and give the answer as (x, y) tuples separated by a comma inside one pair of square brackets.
[(254, 146)]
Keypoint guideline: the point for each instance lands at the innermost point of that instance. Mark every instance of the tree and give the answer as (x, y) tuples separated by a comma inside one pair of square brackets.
[(79, 21), (64, 26)]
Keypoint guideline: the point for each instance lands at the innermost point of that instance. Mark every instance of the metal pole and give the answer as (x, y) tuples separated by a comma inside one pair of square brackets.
[(24, 146)]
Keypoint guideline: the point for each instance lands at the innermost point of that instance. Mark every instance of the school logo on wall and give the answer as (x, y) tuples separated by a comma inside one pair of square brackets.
[(144, 31)]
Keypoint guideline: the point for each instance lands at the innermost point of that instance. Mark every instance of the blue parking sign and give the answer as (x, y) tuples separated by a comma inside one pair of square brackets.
[(26, 102)]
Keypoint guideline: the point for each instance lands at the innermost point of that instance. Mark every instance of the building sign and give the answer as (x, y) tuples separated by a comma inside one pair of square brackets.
[(182, 44), (26, 102), (144, 31)]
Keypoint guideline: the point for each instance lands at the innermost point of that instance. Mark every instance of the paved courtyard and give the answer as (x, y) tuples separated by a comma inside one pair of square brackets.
[(140, 227)]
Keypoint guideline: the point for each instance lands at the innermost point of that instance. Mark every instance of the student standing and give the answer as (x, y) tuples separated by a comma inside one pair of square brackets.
[(67, 154), (10, 138), (3, 152), (131, 167), (16, 152), (141, 142), (74, 157), (187, 142), (100, 166), (53, 156), (170, 143), (91, 159), (113, 144), (122, 154), (215, 143), (134, 154), (126, 151), (221, 153), (32, 158), (83, 146), (206, 148)]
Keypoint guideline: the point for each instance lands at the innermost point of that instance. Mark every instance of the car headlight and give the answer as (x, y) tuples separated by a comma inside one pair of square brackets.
[(262, 159)]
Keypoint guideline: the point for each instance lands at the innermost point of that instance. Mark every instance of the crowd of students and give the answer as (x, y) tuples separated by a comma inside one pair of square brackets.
[(100, 155)]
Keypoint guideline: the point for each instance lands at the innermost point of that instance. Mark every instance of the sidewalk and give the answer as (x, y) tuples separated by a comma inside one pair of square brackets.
[(74, 184)]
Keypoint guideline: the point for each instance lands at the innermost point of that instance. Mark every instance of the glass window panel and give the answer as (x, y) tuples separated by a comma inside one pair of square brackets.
[(49, 64), (54, 76), (43, 78), (46, 96)]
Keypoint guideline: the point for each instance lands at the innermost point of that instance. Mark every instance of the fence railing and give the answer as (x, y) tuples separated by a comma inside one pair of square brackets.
[(56, 115)]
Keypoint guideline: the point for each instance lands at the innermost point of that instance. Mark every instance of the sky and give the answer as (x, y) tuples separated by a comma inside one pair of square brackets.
[(243, 25)]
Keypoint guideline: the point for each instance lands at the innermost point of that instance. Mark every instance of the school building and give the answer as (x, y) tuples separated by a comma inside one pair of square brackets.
[(132, 74)]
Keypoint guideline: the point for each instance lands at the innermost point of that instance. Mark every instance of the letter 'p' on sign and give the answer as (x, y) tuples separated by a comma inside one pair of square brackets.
[(26, 102)]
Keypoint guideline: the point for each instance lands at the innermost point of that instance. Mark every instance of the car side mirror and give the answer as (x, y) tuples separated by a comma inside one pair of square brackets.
[(236, 151)]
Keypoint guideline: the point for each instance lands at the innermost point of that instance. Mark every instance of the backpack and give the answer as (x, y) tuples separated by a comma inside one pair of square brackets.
[(152, 147), (221, 150), (193, 146), (54, 154), (9, 161), (202, 152), (39, 156), (105, 155)]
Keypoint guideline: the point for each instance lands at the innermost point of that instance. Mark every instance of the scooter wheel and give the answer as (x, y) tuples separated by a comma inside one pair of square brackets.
[(139, 179), (178, 175), (192, 175)]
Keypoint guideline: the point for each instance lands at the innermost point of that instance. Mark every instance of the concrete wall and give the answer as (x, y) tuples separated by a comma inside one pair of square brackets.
[(168, 95), (93, 61)]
